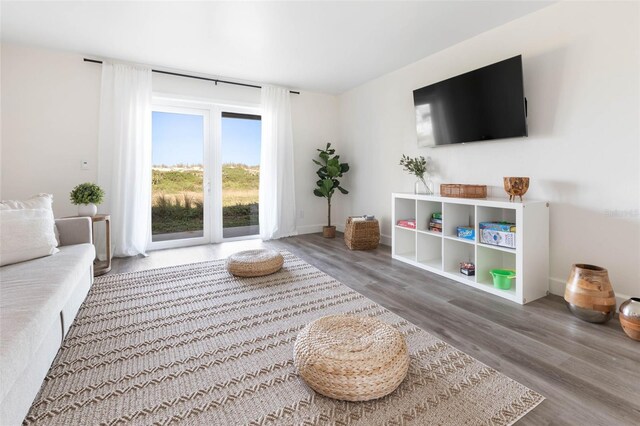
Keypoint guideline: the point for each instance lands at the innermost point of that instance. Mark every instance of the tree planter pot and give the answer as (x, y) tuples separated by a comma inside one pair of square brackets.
[(329, 231), (87, 210)]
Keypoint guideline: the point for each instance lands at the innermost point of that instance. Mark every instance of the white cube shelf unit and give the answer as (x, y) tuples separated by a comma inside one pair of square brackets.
[(441, 253)]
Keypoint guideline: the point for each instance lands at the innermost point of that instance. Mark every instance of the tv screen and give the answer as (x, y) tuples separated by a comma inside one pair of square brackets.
[(480, 105)]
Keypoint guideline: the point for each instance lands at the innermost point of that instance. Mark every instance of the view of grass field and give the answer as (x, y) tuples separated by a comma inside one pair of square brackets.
[(178, 197)]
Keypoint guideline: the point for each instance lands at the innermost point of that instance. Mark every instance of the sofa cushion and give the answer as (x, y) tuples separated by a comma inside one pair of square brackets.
[(33, 295)]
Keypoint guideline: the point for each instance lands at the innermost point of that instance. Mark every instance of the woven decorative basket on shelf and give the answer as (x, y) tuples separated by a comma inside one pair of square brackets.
[(362, 234), (254, 263), (463, 191), (351, 358)]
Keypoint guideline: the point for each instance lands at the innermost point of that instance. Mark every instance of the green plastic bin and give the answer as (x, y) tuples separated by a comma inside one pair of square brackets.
[(502, 278)]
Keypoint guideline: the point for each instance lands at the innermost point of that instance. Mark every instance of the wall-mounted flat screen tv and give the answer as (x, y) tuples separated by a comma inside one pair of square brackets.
[(480, 105)]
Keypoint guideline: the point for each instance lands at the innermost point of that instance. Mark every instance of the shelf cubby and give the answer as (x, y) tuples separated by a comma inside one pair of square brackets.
[(405, 243), (489, 259), (441, 253), (456, 252), (496, 214), (429, 250), (404, 209), (455, 215), (424, 212)]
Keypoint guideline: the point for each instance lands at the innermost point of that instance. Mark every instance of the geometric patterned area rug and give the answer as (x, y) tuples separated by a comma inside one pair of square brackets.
[(194, 345)]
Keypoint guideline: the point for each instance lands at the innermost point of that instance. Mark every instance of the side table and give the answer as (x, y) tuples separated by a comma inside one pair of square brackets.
[(101, 267)]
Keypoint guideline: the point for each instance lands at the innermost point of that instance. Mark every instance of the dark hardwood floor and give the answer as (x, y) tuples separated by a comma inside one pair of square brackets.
[(589, 373)]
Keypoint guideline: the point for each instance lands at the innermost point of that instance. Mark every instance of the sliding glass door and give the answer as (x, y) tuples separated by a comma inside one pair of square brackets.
[(240, 174), (205, 173)]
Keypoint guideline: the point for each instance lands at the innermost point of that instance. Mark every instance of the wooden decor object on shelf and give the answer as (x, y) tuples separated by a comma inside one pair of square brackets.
[(516, 187), (362, 234), (463, 191), (351, 358), (589, 294)]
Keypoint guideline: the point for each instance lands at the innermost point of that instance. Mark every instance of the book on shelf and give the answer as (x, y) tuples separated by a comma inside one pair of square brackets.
[(407, 223)]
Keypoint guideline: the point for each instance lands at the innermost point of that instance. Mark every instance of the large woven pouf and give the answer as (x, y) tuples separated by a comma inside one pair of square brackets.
[(351, 358), (254, 263)]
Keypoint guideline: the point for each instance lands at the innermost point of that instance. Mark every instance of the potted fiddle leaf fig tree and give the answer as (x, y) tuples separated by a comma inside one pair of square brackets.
[(330, 170)]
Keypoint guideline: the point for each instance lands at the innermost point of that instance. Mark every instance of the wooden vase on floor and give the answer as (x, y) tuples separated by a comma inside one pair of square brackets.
[(329, 231), (589, 294), (630, 317)]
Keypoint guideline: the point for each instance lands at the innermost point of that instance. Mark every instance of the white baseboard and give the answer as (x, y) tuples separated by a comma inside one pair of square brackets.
[(312, 229), (556, 286)]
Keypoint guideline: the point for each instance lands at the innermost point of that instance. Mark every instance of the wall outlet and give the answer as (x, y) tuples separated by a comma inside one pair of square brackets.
[(84, 165), (301, 214)]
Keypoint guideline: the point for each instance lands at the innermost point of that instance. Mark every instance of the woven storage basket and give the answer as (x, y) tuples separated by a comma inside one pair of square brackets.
[(351, 358), (463, 191), (254, 263), (362, 235)]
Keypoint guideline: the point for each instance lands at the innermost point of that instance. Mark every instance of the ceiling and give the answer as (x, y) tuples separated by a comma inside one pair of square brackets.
[(321, 46)]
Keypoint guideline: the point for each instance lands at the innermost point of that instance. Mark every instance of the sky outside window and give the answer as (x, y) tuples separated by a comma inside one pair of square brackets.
[(179, 138)]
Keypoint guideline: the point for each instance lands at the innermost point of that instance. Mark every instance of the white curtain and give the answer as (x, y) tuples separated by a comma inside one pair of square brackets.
[(277, 190), (124, 155)]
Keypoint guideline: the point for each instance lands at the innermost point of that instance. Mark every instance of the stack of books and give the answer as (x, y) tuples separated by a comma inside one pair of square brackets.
[(435, 223)]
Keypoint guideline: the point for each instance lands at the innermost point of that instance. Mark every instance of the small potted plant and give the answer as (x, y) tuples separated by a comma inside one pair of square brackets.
[(330, 170), (86, 196), (419, 167)]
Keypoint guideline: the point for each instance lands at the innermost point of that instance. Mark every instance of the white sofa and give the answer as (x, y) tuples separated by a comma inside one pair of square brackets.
[(39, 300)]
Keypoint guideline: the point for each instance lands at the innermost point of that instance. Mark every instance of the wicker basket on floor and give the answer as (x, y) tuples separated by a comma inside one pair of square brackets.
[(351, 358), (362, 234)]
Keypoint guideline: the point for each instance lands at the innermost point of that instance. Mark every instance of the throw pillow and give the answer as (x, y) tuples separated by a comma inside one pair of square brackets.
[(26, 234), (40, 201)]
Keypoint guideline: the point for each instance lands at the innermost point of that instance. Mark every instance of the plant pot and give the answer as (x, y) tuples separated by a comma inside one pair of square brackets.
[(87, 210), (589, 294), (329, 231), (630, 317)]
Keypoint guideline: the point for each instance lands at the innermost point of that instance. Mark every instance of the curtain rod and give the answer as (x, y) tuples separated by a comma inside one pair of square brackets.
[(215, 80)]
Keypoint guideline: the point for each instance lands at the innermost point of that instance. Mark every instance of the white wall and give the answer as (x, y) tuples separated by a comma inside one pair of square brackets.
[(49, 123), (581, 71), (50, 102)]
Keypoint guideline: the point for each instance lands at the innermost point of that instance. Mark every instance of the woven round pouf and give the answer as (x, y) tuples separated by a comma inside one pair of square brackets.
[(351, 358), (254, 263)]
